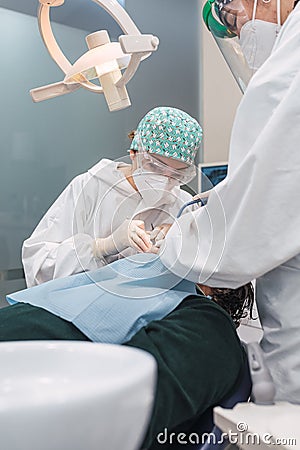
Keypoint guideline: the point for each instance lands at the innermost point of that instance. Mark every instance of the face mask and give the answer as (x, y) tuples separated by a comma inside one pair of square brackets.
[(154, 189), (257, 39)]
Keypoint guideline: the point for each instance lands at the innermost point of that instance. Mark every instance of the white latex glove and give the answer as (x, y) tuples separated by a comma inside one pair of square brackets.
[(159, 233), (130, 234), (202, 195)]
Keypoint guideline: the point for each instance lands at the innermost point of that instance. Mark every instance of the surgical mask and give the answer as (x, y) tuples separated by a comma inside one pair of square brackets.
[(155, 190), (257, 38)]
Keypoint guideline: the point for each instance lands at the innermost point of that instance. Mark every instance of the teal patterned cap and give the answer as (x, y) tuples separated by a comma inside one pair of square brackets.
[(168, 132)]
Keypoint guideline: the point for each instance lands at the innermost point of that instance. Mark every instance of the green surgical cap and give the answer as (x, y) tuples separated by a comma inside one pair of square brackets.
[(168, 132)]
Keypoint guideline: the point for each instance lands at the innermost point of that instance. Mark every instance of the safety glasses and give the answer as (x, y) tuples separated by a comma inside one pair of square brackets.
[(148, 163)]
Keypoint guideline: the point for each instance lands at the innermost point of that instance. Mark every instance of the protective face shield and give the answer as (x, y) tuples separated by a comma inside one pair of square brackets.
[(244, 41)]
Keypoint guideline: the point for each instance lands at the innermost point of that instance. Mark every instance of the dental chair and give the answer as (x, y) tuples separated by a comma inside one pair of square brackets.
[(241, 394), (255, 384), (205, 425)]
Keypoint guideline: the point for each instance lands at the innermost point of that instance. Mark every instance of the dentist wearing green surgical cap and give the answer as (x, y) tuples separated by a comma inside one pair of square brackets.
[(250, 226), (110, 211)]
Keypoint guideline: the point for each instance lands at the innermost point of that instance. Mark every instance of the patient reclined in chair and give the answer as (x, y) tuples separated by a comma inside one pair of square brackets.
[(192, 337)]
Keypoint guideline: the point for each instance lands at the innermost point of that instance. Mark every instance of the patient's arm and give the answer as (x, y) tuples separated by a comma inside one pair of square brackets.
[(199, 358)]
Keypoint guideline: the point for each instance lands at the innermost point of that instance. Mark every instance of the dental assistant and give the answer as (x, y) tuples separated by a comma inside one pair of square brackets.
[(250, 227), (105, 213)]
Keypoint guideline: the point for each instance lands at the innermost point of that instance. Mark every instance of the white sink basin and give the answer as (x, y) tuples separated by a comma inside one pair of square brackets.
[(62, 395)]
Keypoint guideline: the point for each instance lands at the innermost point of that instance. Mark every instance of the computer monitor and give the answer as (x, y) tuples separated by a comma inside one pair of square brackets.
[(211, 174)]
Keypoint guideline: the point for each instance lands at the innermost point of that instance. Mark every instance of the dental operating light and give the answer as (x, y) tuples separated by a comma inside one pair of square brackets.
[(103, 61)]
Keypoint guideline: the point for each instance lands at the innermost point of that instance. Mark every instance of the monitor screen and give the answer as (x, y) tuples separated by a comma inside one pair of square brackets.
[(211, 174)]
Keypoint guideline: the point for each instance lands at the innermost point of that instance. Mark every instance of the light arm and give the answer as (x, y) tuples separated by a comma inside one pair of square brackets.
[(113, 8)]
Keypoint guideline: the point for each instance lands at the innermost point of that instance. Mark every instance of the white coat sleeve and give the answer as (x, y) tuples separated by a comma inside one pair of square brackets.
[(59, 247), (251, 223)]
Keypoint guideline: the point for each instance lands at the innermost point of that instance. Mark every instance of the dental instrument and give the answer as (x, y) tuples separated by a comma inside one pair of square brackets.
[(158, 241)]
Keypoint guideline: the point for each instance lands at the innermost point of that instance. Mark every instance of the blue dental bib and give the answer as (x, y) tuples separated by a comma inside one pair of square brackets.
[(113, 303)]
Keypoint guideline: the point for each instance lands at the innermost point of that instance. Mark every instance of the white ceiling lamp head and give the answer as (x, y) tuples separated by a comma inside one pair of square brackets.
[(104, 60)]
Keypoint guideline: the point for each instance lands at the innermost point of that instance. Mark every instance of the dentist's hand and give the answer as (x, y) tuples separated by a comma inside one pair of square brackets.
[(138, 238), (158, 235), (130, 234), (202, 195)]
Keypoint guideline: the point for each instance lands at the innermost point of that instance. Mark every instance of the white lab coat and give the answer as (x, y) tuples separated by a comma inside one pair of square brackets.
[(250, 227), (93, 205)]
